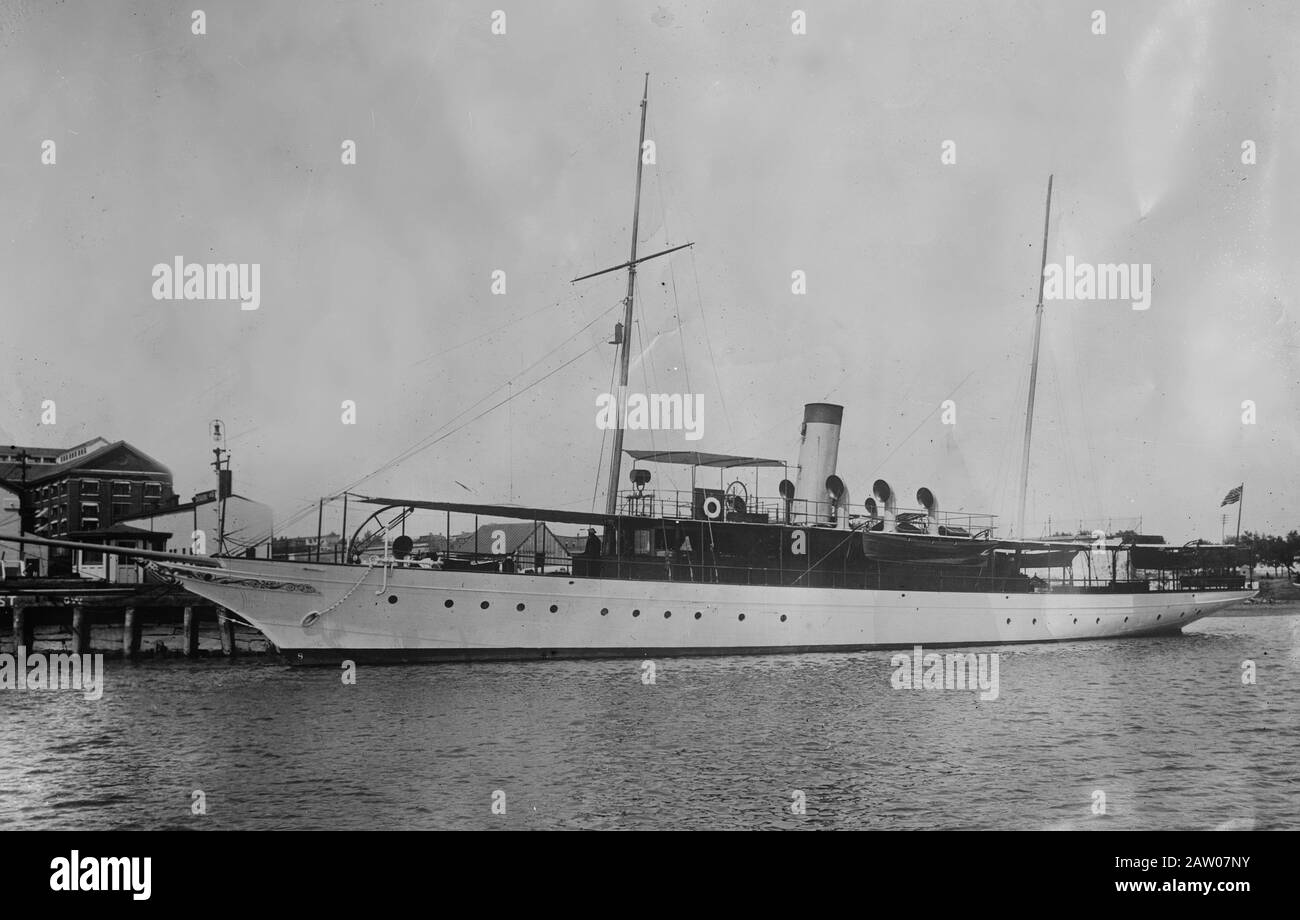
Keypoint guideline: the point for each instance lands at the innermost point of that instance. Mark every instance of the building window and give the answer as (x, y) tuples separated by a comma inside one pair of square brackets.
[(90, 487), (153, 490), (121, 489), (89, 516), (120, 510)]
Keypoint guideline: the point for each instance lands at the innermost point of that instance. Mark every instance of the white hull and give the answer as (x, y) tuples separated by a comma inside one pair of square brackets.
[(403, 614)]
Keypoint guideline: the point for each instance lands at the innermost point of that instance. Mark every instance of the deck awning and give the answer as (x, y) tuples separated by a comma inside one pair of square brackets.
[(696, 458), (1203, 556), (510, 512)]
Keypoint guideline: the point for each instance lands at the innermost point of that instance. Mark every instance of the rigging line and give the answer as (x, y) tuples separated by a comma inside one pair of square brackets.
[(491, 332), (521, 373), (604, 436), (699, 299), (1094, 481), (415, 448), (853, 532), (1009, 428), (752, 439), (881, 465), (297, 518), (1072, 484), (419, 447), (645, 361), (647, 378), (672, 272), (424, 446)]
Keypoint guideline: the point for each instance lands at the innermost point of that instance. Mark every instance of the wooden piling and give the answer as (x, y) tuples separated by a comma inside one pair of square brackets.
[(130, 633), (226, 627), (22, 626), (191, 630), (80, 631)]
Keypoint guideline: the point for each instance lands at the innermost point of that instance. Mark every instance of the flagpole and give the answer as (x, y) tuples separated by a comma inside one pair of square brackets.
[(1241, 500)]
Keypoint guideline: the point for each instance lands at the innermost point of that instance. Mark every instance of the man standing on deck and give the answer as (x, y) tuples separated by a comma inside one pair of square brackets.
[(593, 553)]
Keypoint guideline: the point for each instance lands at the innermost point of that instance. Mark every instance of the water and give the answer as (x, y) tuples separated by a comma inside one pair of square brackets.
[(1163, 727)]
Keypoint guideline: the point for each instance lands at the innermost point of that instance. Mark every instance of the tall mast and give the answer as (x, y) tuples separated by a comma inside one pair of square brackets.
[(1033, 373), (616, 459)]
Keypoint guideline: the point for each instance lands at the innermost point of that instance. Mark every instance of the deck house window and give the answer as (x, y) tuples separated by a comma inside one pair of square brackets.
[(121, 489)]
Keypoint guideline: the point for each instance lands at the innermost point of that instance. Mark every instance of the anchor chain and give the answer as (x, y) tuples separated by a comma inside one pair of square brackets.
[(313, 615)]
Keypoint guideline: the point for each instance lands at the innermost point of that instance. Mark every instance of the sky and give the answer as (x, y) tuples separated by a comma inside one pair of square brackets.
[(775, 152)]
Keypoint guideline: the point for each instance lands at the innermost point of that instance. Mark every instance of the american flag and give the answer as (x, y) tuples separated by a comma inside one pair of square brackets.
[(1232, 497)]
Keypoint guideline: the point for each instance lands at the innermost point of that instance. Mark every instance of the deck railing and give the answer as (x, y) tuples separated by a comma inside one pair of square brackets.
[(669, 568), (713, 505)]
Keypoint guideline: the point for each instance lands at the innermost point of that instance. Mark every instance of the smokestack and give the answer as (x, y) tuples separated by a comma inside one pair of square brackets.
[(819, 449)]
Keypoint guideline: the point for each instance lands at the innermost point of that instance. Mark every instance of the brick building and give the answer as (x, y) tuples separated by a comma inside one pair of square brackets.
[(80, 493)]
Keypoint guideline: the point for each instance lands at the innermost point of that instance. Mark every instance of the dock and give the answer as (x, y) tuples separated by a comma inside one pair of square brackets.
[(120, 620)]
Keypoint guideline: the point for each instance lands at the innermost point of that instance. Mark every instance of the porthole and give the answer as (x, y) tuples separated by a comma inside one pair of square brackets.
[(1035, 622), (1126, 619), (392, 598), (783, 618), (636, 613), (1076, 621), (484, 605), (448, 602), (1181, 612), (667, 614), (554, 608), (1008, 621), (1159, 615), (604, 611), (697, 614), (1098, 619), (742, 617), (519, 607)]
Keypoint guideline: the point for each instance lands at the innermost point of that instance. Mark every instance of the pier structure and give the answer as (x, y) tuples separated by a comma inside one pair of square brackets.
[(128, 621)]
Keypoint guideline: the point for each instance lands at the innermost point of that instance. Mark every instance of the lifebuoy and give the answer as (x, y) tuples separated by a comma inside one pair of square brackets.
[(716, 511)]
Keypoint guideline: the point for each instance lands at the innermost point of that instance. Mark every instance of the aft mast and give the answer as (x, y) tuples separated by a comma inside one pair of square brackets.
[(1033, 373)]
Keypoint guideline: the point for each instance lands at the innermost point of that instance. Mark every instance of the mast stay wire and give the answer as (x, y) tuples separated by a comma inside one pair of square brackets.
[(1009, 440), (513, 323), (604, 437), (436, 435), (421, 445), (704, 324), (672, 272)]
